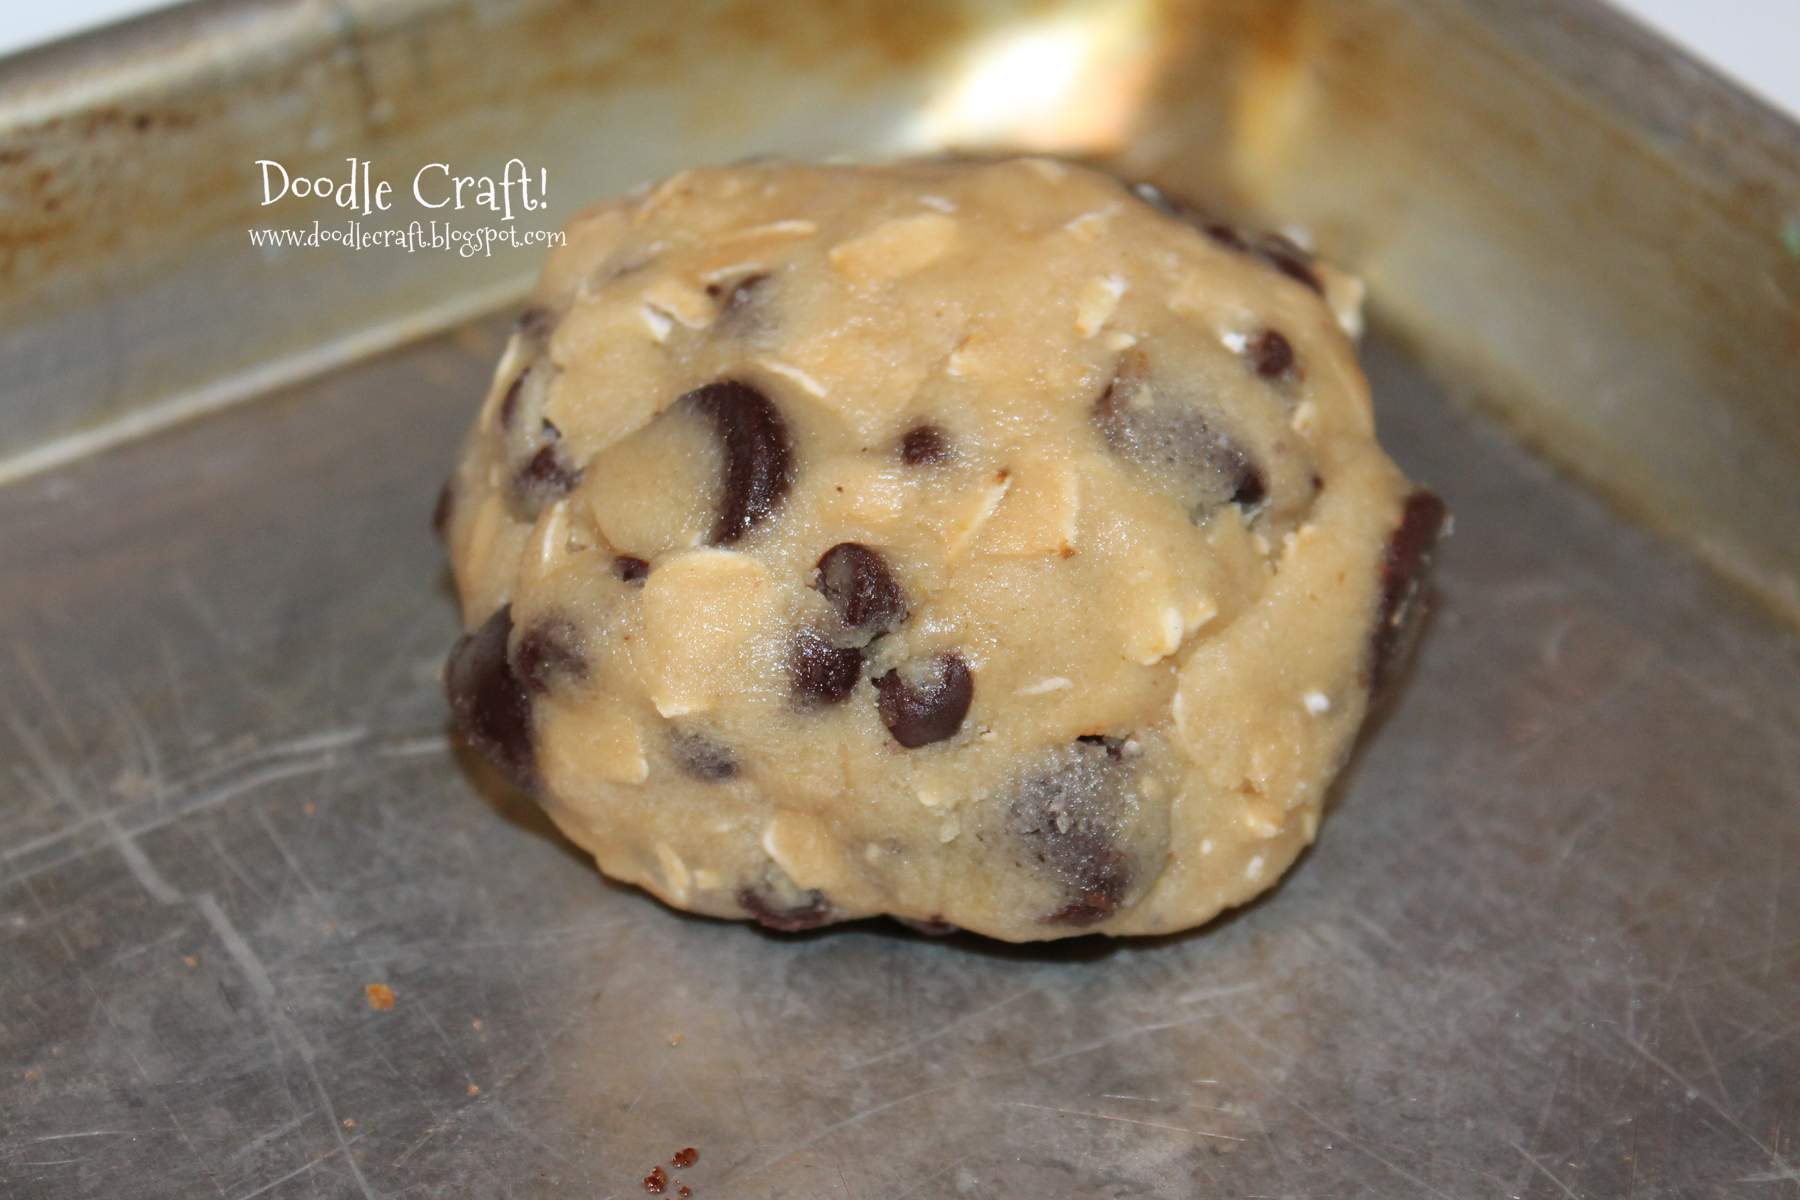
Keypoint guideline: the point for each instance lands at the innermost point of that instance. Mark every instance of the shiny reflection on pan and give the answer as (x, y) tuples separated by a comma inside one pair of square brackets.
[(1069, 81)]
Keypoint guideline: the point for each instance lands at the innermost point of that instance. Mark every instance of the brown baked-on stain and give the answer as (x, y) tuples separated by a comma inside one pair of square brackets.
[(86, 215), (815, 911), (381, 996), (685, 1158), (1405, 579), (805, 35), (656, 1181)]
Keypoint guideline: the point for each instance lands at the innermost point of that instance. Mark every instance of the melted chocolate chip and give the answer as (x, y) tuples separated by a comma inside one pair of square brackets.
[(548, 656), (819, 672), (547, 476), (860, 586), (815, 912), (926, 710), (758, 455), (1204, 466), (1069, 819), (1097, 900), (1271, 354), (702, 757), (685, 1158), (444, 509), (1289, 259), (1405, 572), (630, 569), (927, 446), (488, 704)]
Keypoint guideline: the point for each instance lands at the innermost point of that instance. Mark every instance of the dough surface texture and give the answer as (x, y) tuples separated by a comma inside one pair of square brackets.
[(987, 545)]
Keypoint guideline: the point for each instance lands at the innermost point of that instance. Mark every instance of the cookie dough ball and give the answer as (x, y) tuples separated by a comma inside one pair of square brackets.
[(986, 545)]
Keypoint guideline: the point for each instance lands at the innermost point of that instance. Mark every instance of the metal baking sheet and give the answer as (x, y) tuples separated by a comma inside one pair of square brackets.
[(1547, 946)]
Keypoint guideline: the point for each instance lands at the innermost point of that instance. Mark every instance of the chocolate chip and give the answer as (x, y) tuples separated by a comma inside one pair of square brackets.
[(1114, 747), (1250, 490), (929, 707), (742, 292), (444, 509), (631, 570), (1164, 203), (758, 455), (1202, 465), (1289, 259), (860, 586), (509, 404), (1226, 236), (819, 672), (816, 911), (1405, 572), (487, 702), (1271, 354), (547, 476), (548, 656), (536, 323), (701, 757), (927, 446), (1069, 818), (1274, 249)]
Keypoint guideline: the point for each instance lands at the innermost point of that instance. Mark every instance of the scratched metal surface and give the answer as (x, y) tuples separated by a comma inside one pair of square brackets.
[(1549, 944)]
